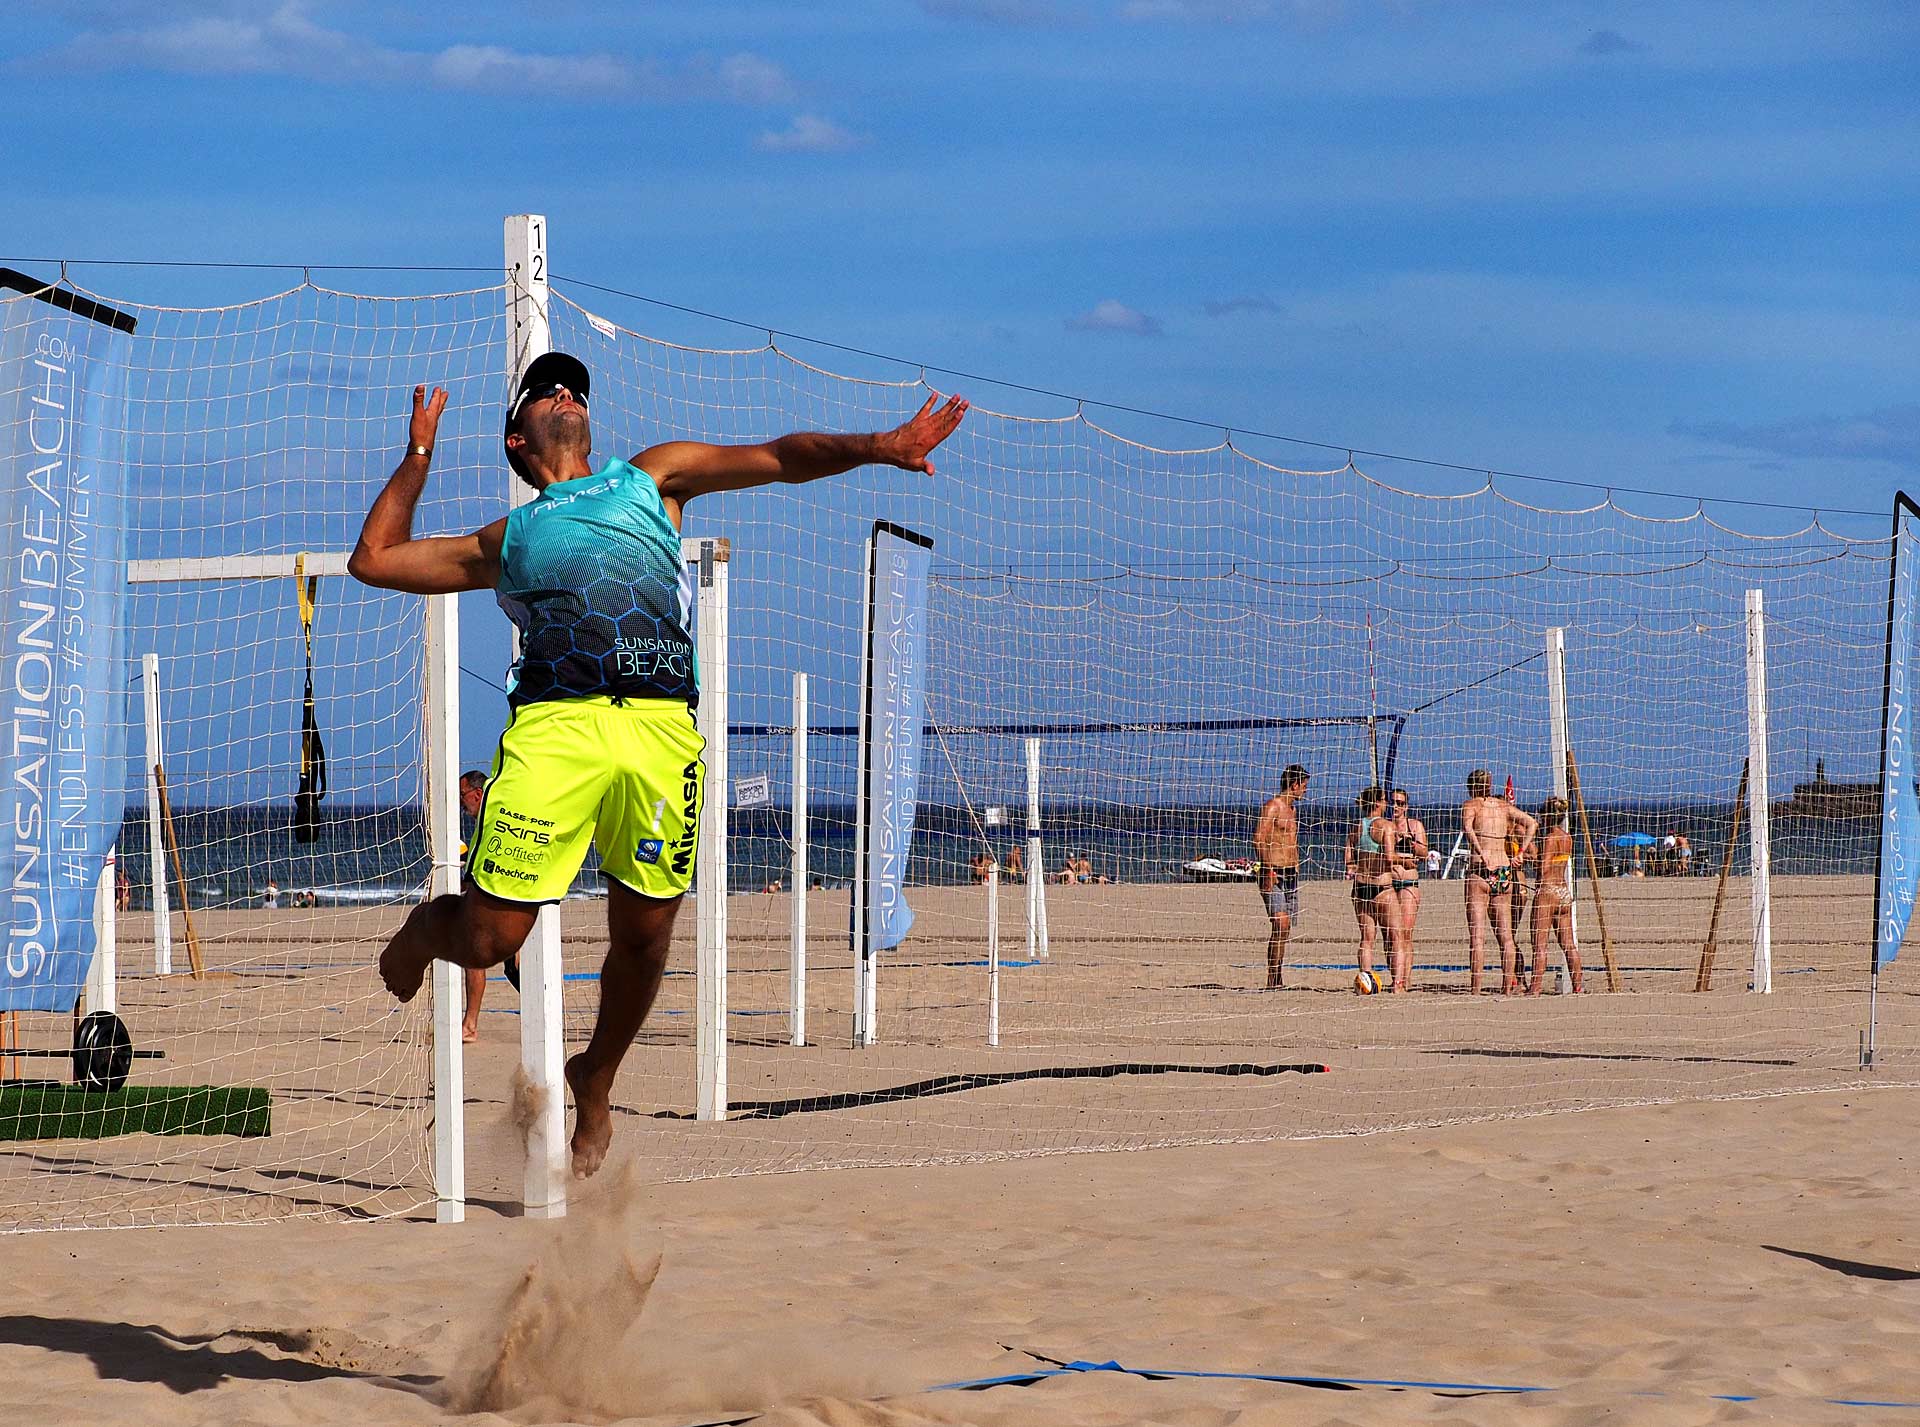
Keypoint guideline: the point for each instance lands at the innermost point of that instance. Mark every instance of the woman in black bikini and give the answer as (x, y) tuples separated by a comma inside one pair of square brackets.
[(1376, 906)]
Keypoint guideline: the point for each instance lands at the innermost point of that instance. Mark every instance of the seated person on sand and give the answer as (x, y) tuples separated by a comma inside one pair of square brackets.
[(1069, 872), (1083, 870), (982, 866), (1015, 867)]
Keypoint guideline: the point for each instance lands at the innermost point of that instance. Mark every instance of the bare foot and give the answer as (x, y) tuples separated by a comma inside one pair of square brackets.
[(402, 978), (469, 1034), (592, 1120)]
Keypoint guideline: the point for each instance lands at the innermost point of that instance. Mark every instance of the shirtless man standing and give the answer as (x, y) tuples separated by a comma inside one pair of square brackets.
[(1487, 822), (1276, 846)]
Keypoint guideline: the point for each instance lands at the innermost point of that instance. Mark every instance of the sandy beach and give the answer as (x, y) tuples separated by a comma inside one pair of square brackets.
[(1641, 1261), (1640, 1265)]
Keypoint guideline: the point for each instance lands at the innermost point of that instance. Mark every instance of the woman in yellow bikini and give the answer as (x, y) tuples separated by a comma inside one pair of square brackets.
[(1553, 897)]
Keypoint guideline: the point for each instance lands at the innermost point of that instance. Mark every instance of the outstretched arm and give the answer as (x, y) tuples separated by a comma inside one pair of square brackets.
[(388, 557), (685, 469)]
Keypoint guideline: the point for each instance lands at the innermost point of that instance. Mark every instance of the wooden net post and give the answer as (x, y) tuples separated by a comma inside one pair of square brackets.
[(1703, 981), (179, 873), (1599, 903)]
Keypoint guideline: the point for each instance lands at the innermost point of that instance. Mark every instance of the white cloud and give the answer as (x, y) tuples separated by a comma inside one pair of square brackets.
[(493, 67), (1201, 11), (1004, 12), (217, 37), (753, 80), (808, 134), (1110, 315)]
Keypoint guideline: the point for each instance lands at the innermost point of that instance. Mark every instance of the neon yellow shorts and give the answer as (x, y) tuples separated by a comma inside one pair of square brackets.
[(628, 778)]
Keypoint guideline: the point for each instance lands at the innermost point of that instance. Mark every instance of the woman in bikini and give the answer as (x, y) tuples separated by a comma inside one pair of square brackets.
[(1410, 845), (1372, 853), (1553, 897)]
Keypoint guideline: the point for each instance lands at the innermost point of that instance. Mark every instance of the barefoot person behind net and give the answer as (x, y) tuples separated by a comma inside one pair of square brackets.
[(601, 747), (1553, 897), (1410, 836), (1276, 846), (1374, 857), (1487, 821)]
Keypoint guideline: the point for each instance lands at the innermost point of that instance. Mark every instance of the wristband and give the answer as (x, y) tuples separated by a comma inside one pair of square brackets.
[(418, 450)]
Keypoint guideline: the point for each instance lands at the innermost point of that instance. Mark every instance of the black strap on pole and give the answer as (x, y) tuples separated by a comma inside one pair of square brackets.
[(313, 752)]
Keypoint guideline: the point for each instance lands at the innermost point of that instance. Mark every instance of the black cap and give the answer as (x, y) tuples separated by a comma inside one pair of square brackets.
[(544, 370)]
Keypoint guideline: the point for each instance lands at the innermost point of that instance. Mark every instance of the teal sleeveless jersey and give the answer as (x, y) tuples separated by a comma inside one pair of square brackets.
[(590, 571)]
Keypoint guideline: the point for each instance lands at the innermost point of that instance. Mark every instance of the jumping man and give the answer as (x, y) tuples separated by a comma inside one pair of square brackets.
[(1276, 846), (600, 745)]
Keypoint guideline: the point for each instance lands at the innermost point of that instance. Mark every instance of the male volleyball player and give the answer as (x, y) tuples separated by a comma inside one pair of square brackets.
[(1488, 821), (600, 745), (1276, 845)]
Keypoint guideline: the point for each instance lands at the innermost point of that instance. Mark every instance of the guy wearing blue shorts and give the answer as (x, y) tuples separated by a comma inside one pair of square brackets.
[(600, 746)]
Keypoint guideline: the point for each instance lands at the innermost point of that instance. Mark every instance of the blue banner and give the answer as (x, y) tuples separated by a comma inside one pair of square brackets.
[(63, 372), (1899, 862), (896, 698)]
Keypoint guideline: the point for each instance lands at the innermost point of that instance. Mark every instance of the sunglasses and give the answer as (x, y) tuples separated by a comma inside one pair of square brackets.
[(541, 393)]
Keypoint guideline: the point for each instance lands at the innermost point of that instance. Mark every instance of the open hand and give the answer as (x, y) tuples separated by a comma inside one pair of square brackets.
[(915, 438), (425, 422)]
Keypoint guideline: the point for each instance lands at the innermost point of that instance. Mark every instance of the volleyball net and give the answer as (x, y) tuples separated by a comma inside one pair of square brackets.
[(1127, 641)]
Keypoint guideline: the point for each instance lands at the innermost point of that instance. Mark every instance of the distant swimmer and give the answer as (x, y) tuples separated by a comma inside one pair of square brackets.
[(1410, 834), (1374, 855), (1276, 846), (1553, 897), (1487, 821)]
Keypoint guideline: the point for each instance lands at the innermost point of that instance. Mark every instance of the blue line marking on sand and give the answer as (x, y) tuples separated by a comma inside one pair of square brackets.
[(1318, 1380), (1004, 965)]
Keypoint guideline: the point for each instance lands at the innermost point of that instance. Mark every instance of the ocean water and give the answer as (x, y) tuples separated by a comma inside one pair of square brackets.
[(379, 854)]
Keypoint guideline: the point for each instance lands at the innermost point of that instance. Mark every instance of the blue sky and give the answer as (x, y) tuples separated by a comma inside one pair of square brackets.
[(1645, 245), (1658, 245)]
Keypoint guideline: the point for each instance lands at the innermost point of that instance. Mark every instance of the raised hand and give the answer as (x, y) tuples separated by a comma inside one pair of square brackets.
[(914, 439), (425, 421)]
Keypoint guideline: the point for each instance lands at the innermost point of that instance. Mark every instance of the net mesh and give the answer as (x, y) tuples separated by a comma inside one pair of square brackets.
[(1175, 626), (253, 430), (1172, 626)]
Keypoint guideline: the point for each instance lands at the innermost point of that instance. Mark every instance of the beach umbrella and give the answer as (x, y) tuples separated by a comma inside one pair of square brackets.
[(1635, 839)]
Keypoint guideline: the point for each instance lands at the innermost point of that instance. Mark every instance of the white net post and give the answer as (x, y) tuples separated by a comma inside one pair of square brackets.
[(993, 954), (864, 998), (105, 966), (442, 738), (710, 874), (156, 840), (1036, 875), (542, 974), (1758, 824), (797, 975), (1557, 752)]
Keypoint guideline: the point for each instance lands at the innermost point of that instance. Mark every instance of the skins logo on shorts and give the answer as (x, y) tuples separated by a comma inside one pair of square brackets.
[(648, 850)]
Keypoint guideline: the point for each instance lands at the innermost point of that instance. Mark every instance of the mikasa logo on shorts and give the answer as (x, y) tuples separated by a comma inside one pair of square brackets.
[(648, 850)]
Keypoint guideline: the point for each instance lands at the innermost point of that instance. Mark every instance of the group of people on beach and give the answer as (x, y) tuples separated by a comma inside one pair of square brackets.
[(1078, 868), (1386, 852)]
